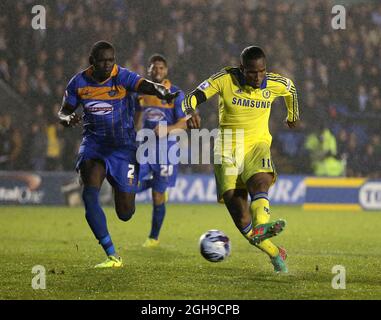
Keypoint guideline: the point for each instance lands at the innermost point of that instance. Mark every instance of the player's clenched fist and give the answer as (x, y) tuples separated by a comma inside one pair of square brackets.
[(164, 93)]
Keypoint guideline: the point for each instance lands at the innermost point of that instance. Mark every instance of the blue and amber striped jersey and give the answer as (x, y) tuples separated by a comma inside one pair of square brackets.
[(108, 109), (243, 107), (156, 110)]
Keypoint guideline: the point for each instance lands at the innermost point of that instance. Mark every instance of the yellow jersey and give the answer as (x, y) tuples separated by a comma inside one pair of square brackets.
[(243, 107)]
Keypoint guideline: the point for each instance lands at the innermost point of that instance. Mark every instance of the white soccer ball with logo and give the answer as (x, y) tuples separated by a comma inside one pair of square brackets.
[(214, 245)]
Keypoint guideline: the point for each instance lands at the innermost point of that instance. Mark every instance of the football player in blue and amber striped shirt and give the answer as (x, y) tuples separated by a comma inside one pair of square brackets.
[(163, 118), (108, 148)]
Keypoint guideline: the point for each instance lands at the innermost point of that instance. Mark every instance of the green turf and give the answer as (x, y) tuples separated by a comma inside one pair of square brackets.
[(60, 240)]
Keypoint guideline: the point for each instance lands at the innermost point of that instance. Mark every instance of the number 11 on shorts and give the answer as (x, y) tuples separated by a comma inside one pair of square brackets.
[(266, 163)]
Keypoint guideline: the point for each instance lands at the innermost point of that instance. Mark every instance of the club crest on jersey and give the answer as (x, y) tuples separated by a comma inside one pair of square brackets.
[(98, 108), (112, 93), (266, 93), (238, 91)]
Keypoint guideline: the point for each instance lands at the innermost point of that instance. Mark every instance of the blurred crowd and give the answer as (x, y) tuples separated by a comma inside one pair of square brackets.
[(337, 72)]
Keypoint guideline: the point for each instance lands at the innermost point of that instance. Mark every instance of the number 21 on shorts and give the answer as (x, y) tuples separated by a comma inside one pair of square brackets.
[(131, 171)]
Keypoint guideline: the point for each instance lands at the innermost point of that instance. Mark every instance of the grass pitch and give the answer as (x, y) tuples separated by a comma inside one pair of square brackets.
[(60, 240)]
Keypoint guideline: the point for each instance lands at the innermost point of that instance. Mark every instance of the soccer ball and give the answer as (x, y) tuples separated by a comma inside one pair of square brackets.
[(214, 245)]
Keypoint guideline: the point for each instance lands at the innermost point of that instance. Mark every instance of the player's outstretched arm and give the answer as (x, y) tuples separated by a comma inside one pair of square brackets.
[(156, 89), (67, 117)]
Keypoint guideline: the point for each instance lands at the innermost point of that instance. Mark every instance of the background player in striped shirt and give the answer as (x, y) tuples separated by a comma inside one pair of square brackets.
[(152, 113), (245, 97), (108, 147)]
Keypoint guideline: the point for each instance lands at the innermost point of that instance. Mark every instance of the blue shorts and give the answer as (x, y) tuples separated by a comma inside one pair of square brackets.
[(157, 176), (122, 169)]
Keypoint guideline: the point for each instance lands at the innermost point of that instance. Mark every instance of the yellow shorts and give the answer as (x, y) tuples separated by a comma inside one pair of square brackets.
[(233, 174)]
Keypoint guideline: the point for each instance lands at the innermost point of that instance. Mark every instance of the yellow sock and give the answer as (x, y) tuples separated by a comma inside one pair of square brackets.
[(268, 247), (260, 211)]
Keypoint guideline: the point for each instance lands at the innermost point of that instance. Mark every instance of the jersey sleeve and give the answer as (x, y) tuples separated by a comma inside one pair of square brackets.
[(287, 90), (207, 89), (71, 97), (291, 99), (130, 80), (179, 113), (213, 85)]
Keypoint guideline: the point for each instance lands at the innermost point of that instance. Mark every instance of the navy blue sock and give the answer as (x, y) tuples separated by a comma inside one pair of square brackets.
[(259, 195), (96, 218), (157, 220), (247, 231)]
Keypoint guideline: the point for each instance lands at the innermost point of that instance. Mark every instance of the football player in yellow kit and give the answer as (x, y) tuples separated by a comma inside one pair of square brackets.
[(244, 164)]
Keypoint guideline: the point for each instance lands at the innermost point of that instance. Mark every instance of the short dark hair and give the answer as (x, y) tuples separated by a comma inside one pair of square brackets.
[(157, 57), (251, 53), (100, 45)]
